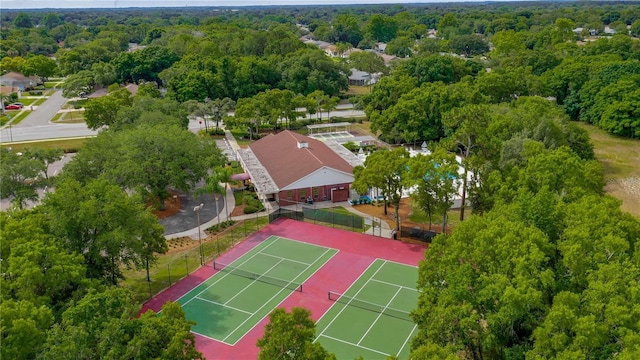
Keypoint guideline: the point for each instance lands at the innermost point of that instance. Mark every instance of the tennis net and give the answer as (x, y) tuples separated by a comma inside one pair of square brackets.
[(258, 277), (385, 310)]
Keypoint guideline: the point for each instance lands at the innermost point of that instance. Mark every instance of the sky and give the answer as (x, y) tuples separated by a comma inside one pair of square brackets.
[(61, 4)]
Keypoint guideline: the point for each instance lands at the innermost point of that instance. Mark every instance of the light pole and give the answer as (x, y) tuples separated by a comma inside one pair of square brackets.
[(197, 210)]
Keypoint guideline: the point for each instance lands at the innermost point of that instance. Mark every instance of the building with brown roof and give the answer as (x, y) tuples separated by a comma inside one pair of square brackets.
[(289, 168)]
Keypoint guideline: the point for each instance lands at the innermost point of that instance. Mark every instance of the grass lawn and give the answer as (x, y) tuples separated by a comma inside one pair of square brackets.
[(65, 144), (15, 115), (358, 90), (242, 138), (621, 160), (27, 101), (177, 264), (72, 117)]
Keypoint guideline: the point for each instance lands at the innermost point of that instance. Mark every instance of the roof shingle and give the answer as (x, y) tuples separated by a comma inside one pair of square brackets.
[(287, 163)]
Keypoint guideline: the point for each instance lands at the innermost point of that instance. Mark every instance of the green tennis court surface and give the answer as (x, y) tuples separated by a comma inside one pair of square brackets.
[(231, 302), (372, 318)]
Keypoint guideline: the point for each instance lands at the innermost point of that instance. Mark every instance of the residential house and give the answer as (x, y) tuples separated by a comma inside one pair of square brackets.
[(15, 81)]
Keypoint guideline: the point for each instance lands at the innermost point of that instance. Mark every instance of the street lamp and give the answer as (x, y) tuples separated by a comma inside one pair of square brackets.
[(197, 210)]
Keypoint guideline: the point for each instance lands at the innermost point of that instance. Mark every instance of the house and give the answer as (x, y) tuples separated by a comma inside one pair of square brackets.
[(359, 78), (292, 168), (18, 82)]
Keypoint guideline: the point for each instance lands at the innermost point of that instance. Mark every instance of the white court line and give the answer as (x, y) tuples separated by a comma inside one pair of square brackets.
[(398, 262), (303, 242), (222, 277), (254, 280), (408, 337), (268, 301), (224, 305), (280, 257), (396, 285), (379, 315), (353, 297), (352, 344)]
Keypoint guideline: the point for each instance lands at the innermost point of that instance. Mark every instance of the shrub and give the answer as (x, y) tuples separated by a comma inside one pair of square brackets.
[(250, 209), (35, 93)]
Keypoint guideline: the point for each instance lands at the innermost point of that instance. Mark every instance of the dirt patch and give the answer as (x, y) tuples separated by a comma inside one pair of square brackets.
[(183, 243), (627, 190), (403, 213), (171, 206)]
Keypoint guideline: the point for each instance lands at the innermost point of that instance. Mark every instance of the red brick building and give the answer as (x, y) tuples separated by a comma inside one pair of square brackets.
[(290, 168)]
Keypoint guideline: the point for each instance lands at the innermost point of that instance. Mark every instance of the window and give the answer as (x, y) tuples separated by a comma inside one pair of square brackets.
[(289, 195), (303, 194), (316, 193)]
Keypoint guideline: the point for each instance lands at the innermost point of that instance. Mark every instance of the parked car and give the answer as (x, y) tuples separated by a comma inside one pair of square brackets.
[(12, 107), (19, 104)]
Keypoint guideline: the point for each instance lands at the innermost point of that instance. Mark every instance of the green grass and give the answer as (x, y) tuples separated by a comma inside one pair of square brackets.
[(64, 144), (172, 267), (17, 119), (620, 158), (241, 136), (27, 101), (56, 117), (453, 218), (72, 117)]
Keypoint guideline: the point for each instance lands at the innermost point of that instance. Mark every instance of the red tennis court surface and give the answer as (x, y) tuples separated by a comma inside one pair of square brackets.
[(356, 253)]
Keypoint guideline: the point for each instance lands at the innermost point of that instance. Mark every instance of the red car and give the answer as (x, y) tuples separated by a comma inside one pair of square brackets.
[(13, 107)]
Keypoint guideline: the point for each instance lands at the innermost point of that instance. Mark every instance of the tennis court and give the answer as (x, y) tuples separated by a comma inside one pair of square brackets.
[(236, 298), (371, 319)]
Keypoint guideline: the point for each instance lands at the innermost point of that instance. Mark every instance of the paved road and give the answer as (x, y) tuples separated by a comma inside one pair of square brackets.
[(38, 126)]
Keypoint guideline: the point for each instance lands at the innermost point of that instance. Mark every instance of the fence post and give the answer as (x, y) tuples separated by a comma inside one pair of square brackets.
[(169, 271), (186, 262)]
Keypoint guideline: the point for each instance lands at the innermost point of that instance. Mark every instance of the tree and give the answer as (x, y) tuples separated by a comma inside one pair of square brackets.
[(467, 128), (104, 325), (104, 224), (51, 20), (102, 112), (469, 45), (19, 177), (385, 170), (417, 116), (148, 159), (81, 82), (382, 27), (220, 109), (308, 70), (435, 177), (483, 289), (39, 65), (291, 336), (23, 21), (24, 327), (40, 270), (401, 46)]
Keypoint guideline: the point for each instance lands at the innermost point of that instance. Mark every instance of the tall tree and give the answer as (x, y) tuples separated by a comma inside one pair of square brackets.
[(385, 170), (484, 288), (20, 177), (291, 336), (435, 177), (104, 224)]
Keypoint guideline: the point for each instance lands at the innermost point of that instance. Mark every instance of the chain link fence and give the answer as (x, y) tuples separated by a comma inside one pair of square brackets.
[(331, 218), (172, 267)]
